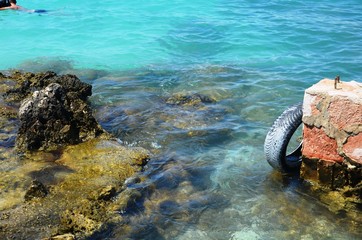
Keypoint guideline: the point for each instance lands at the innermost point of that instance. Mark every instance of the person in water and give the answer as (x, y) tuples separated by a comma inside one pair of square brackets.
[(9, 4)]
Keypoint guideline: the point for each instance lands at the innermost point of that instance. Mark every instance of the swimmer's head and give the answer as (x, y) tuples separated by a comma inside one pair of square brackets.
[(13, 1)]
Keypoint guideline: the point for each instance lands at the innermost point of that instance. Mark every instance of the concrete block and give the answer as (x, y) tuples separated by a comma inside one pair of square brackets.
[(332, 133)]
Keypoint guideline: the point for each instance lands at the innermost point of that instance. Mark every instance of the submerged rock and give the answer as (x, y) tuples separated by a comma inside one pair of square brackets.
[(66, 236), (80, 201), (36, 190), (76, 221), (107, 193), (189, 99)]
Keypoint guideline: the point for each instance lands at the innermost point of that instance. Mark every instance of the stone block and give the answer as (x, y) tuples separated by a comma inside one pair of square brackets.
[(318, 145), (353, 148), (332, 133)]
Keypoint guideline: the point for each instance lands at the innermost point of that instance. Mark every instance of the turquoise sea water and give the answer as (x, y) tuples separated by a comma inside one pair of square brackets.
[(254, 58)]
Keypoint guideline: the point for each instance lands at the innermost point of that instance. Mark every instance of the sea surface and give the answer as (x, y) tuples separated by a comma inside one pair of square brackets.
[(253, 59)]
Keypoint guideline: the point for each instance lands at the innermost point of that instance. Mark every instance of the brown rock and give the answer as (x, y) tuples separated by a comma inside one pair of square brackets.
[(36, 190), (67, 236), (107, 193)]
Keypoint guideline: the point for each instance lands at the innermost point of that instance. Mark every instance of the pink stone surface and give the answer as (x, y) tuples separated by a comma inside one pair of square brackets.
[(317, 145), (309, 106), (333, 121), (353, 148), (344, 113)]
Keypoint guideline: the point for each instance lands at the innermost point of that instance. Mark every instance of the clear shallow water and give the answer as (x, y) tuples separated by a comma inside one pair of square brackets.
[(255, 59)]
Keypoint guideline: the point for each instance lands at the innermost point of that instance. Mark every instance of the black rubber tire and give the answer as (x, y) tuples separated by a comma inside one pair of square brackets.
[(278, 137)]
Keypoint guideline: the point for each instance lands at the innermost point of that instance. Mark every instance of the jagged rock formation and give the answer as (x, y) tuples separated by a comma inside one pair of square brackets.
[(53, 110)]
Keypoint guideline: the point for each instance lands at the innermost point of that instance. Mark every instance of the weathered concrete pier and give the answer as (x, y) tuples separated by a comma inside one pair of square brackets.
[(332, 135)]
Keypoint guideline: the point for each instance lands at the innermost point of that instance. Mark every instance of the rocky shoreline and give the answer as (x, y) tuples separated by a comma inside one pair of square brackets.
[(63, 175)]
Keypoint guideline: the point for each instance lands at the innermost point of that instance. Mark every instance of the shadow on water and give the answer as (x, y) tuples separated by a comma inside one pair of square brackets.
[(50, 175), (174, 195)]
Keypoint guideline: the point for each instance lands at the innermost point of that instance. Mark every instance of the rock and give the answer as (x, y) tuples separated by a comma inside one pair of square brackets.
[(67, 236), (53, 109), (36, 190), (84, 199), (107, 193), (189, 99), (27, 83), (76, 221), (53, 117), (332, 134), (87, 180)]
